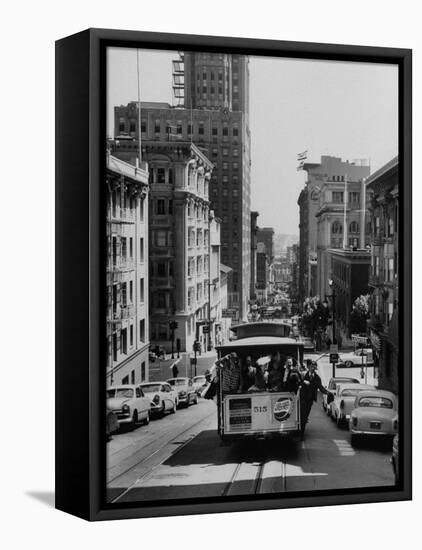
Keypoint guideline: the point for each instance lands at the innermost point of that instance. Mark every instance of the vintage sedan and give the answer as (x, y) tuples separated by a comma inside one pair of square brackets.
[(185, 391), (163, 397), (199, 383), (374, 415), (332, 387), (359, 357), (344, 401), (129, 404)]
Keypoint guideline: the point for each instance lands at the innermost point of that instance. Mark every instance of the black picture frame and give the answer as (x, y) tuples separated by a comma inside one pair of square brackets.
[(80, 277)]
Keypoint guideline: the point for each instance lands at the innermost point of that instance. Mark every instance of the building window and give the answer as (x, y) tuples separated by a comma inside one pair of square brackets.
[(123, 341), (141, 209), (115, 347), (160, 207), (161, 175), (125, 380), (161, 238), (161, 269), (141, 290), (201, 128), (337, 197), (189, 129), (354, 227), (235, 131), (143, 372), (131, 291), (141, 249), (214, 131), (235, 152), (142, 330), (143, 126), (157, 127), (225, 131), (354, 198), (131, 335), (132, 126)]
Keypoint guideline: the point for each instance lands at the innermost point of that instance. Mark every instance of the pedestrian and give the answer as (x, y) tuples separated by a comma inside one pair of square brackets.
[(309, 393), (175, 370)]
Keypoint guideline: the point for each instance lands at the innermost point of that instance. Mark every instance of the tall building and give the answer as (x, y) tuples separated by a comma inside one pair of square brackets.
[(212, 91), (261, 274), (254, 232), (265, 235), (330, 184), (179, 253), (384, 275), (127, 272)]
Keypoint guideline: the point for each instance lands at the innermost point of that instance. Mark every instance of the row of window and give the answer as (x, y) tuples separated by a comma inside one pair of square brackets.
[(121, 294), (338, 197), (199, 266), (121, 343), (122, 250), (122, 203), (196, 238)]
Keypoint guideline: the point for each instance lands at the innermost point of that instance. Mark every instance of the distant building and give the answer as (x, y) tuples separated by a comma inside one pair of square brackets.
[(254, 231), (127, 272), (261, 274), (321, 214), (384, 276), (350, 273), (265, 235)]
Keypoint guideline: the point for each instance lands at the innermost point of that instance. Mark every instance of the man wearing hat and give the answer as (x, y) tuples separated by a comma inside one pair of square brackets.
[(309, 393)]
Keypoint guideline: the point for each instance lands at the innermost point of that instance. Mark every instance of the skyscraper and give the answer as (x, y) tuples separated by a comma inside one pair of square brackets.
[(212, 92)]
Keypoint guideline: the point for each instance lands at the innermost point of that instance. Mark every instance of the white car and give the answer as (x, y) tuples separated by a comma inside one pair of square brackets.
[(344, 401), (199, 383), (357, 358), (332, 387), (185, 392), (129, 404), (374, 414), (163, 397)]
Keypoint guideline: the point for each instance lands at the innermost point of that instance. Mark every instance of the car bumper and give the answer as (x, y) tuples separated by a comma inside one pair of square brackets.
[(369, 432)]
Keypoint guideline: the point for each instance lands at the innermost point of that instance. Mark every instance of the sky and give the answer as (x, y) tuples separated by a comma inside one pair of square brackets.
[(348, 110)]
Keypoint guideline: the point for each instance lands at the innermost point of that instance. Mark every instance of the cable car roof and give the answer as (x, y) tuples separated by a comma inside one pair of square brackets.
[(260, 341)]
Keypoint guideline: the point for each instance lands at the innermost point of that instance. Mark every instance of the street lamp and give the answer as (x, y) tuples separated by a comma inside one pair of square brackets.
[(333, 299), (173, 326)]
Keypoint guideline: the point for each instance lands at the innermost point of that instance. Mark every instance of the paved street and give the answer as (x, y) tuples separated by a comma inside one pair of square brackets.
[(181, 455)]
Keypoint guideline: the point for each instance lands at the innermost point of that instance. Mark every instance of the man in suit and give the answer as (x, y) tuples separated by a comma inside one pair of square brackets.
[(309, 393)]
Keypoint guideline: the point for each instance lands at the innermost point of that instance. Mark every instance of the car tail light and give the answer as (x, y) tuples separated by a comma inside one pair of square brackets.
[(342, 404), (156, 399)]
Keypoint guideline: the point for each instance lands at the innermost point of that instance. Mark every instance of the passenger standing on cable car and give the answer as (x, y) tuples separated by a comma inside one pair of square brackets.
[(275, 373), (292, 379)]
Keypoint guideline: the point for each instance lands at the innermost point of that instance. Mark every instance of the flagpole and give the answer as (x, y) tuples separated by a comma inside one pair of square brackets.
[(345, 234), (139, 107)]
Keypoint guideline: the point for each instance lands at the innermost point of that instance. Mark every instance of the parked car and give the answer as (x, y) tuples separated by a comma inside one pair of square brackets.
[(199, 383), (395, 458), (185, 391), (357, 358), (344, 401), (374, 414), (332, 387), (163, 397), (112, 423), (129, 403)]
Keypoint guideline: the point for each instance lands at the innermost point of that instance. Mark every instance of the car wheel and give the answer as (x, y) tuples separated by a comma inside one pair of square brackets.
[(134, 419), (348, 364), (147, 419)]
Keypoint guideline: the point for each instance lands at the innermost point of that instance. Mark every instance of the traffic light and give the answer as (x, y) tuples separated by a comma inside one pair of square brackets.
[(197, 346)]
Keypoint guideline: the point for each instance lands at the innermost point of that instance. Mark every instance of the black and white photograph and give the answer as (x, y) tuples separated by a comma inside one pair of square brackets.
[(252, 277)]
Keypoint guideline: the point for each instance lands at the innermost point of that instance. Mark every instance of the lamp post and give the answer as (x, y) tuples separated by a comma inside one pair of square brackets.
[(333, 356), (173, 326)]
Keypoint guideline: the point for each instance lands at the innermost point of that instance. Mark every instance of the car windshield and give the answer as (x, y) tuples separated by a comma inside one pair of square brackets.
[(350, 392), (380, 402), (199, 379), (178, 382), (120, 392), (151, 388)]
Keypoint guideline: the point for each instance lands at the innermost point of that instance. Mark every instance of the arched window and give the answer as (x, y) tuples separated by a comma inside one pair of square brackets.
[(354, 227)]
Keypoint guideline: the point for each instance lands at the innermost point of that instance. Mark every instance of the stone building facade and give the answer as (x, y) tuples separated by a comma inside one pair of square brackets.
[(384, 276), (179, 238), (127, 272)]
